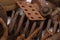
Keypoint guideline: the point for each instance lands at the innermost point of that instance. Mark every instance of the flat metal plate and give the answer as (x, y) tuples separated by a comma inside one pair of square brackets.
[(30, 10)]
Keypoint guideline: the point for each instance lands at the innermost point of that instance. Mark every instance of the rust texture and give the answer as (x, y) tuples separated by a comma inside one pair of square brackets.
[(35, 20), (3, 13), (32, 13), (55, 37), (5, 33)]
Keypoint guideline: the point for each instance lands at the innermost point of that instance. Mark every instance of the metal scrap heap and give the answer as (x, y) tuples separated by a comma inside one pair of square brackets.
[(35, 20)]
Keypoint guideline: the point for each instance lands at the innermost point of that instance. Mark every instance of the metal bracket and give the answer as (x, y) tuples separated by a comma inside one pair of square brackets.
[(30, 10)]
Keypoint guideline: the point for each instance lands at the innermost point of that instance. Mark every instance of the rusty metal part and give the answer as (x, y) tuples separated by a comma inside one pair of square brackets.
[(5, 34), (13, 20), (32, 13), (33, 24), (26, 27), (46, 11), (48, 31), (22, 36), (48, 27), (19, 24), (55, 18), (55, 37), (33, 28), (45, 35), (8, 4), (54, 29), (55, 12), (55, 15), (3, 14), (36, 31), (45, 7)]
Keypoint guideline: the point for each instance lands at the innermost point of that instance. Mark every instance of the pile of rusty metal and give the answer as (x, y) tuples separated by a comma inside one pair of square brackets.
[(35, 20)]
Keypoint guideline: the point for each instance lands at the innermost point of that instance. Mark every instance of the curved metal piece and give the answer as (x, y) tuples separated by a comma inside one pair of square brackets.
[(8, 5), (5, 34), (3, 14), (46, 11)]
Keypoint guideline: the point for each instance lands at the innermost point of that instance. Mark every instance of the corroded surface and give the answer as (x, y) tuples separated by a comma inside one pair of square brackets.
[(39, 20)]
